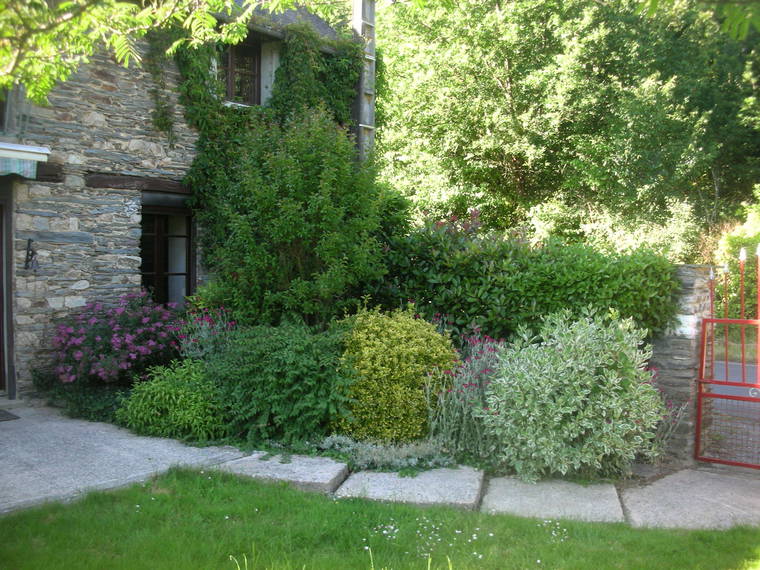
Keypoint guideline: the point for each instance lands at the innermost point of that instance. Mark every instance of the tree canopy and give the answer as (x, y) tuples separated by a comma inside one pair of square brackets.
[(589, 101)]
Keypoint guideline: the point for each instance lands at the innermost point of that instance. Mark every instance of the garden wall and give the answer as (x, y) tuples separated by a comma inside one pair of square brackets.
[(676, 354)]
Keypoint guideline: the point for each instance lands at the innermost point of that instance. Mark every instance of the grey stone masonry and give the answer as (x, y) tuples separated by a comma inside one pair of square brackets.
[(87, 240), (676, 354)]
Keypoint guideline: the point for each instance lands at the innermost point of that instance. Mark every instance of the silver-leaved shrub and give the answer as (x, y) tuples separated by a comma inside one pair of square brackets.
[(575, 399)]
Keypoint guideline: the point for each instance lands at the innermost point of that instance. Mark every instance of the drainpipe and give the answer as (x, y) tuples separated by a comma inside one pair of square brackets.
[(363, 23)]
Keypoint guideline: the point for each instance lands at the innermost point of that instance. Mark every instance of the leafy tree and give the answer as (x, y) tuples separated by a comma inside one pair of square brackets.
[(44, 41), (592, 102)]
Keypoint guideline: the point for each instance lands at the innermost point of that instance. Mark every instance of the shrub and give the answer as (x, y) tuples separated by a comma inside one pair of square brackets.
[(392, 354), (499, 284), (112, 343), (175, 401), (290, 220), (283, 383), (88, 399), (203, 332), (455, 411), (577, 399)]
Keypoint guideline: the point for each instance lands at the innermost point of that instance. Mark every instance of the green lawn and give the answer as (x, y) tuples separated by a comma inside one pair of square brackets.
[(190, 519)]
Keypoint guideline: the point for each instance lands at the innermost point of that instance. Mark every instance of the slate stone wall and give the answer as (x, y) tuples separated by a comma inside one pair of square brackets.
[(676, 354), (87, 239)]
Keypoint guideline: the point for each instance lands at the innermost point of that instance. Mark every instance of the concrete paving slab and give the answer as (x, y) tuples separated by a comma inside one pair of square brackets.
[(45, 456), (320, 474), (695, 499), (553, 499), (460, 487)]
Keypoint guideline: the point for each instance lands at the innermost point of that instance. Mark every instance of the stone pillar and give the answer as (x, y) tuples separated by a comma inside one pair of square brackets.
[(363, 24), (676, 354)]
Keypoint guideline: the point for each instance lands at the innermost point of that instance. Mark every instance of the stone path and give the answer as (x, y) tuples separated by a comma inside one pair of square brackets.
[(45, 457)]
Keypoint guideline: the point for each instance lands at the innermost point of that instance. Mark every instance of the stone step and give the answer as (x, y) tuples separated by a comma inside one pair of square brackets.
[(320, 474), (695, 499), (553, 499), (461, 487)]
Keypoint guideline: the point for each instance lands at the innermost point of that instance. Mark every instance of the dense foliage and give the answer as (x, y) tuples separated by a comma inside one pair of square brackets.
[(675, 234), (499, 284), (745, 235), (393, 355), (88, 399), (176, 401), (578, 399), (285, 383), (290, 217), (112, 344), (307, 77), (588, 102)]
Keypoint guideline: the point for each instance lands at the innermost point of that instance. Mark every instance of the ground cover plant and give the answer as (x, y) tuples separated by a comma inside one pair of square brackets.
[(187, 519)]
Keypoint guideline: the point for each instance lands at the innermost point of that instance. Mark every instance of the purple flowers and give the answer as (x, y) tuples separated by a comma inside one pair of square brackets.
[(106, 343)]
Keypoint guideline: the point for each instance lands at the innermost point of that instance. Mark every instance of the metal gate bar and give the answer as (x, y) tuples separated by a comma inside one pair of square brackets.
[(728, 396)]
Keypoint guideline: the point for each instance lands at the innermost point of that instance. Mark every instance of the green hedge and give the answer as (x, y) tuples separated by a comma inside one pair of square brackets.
[(450, 270), (281, 383)]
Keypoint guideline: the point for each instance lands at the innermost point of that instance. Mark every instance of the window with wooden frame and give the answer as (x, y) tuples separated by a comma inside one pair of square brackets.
[(241, 73), (167, 251)]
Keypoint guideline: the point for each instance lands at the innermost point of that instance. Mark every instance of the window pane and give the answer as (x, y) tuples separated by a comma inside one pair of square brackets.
[(177, 226), (148, 223), (243, 88), (147, 252), (177, 255), (177, 289)]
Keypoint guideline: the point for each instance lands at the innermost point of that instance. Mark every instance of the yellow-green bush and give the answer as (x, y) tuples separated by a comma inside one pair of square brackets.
[(393, 354)]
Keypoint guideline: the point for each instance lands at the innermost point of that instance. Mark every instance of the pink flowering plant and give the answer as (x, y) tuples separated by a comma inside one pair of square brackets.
[(110, 344), (672, 415), (203, 332), (455, 413)]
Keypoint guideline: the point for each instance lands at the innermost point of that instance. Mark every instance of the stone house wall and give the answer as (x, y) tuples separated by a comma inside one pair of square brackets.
[(87, 239), (676, 355)]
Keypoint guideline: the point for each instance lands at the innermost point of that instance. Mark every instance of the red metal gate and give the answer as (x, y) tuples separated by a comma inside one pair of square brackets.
[(728, 400)]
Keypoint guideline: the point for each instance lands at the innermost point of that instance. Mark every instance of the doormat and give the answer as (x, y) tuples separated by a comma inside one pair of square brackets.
[(7, 416)]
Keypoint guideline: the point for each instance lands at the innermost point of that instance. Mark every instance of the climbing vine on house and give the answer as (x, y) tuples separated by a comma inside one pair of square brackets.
[(290, 218)]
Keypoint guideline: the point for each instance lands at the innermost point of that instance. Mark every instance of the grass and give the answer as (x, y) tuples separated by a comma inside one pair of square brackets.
[(190, 519)]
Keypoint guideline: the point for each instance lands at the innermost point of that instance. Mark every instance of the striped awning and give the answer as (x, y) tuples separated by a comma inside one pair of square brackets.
[(20, 166), (21, 159)]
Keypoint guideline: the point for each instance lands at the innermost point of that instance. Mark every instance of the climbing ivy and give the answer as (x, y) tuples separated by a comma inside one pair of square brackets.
[(313, 72), (154, 62)]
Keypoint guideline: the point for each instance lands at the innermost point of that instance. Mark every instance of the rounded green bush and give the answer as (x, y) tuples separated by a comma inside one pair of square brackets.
[(393, 355), (176, 401), (578, 399)]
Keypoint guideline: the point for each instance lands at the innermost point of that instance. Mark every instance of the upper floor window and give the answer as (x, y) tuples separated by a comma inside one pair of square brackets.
[(241, 73)]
